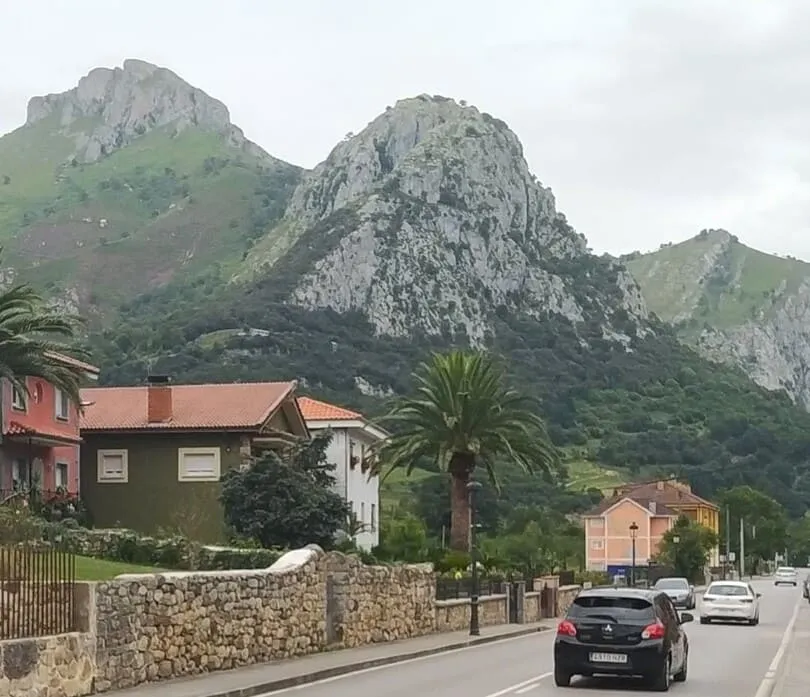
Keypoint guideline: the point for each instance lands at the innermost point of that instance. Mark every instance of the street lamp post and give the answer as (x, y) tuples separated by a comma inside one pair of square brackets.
[(675, 540), (472, 487), (633, 533)]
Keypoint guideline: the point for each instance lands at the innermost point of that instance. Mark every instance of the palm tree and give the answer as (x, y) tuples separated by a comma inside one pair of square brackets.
[(33, 339), (463, 416)]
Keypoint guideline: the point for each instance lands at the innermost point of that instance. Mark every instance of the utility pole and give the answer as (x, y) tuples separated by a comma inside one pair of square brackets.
[(742, 548), (728, 540)]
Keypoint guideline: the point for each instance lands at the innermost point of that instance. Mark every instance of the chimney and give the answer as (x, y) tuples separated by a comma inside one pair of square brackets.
[(159, 399), (659, 485)]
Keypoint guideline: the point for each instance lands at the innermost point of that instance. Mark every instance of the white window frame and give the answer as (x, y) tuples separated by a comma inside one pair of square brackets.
[(58, 396), (183, 476), (596, 522), (18, 401), (106, 478), (597, 545), (56, 468)]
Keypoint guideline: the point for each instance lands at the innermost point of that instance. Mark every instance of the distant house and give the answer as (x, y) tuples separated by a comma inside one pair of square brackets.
[(348, 451), (153, 456), (40, 444), (654, 507)]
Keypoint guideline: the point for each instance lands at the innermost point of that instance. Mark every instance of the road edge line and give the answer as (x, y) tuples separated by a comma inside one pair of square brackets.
[(327, 674), (773, 677)]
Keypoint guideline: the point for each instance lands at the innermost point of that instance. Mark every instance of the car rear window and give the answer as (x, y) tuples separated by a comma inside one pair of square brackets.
[(785, 570), (617, 607), (726, 589), (671, 583)]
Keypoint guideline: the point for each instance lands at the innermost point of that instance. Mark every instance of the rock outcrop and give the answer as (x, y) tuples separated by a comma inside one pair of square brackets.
[(112, 107), (428, 221)]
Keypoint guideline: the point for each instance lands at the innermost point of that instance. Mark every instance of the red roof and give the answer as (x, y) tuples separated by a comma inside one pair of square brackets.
[(69, 360), (15, 428), (314, 410), (242, 406)]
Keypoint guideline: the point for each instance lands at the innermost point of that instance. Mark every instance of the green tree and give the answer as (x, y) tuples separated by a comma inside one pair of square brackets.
[(765, 523), (288, 502), (403, 537), (685, 547), (798, 544), (32, 337), (463, 415)]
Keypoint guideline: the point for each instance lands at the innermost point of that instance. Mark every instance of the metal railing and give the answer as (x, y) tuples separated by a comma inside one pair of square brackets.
[(454, 589), (36, 591)]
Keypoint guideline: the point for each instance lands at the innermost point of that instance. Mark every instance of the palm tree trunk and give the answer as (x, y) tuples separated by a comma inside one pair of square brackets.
[(461, 467)]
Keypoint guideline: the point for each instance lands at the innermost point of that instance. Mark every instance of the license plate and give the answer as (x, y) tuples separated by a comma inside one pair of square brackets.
[(608, 658)]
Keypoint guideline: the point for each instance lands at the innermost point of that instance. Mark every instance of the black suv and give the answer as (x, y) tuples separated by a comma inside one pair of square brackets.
[(622, 631)]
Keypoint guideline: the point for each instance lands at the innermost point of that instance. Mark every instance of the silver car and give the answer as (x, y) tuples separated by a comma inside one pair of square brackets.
[(679, 590)]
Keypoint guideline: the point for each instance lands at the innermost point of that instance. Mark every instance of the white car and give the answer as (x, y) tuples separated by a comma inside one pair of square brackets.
[(786, 575), (730, 601)]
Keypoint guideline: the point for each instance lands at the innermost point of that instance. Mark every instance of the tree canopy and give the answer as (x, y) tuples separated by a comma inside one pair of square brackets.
[(685, 548)]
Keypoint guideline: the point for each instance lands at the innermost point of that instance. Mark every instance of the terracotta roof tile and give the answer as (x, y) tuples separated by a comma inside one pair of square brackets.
[(672, 493), (213, 406), (314, 410), (76, 363), (15, 428)]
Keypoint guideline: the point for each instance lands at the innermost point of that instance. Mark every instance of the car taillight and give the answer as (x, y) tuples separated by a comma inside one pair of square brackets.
[(566, 628), (653, 631)]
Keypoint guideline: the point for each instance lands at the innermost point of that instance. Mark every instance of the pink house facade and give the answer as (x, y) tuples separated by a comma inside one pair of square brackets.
[(608, 539), (40, 436)]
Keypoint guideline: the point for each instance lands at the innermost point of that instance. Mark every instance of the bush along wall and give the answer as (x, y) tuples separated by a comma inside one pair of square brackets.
[(171, 553)]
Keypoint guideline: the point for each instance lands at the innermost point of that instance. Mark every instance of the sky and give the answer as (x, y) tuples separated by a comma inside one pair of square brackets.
[(649, 119)]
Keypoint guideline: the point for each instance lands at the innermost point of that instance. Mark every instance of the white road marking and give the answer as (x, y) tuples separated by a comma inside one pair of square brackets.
[(769, 681), (527, 685), (408, 661), (523, 690)]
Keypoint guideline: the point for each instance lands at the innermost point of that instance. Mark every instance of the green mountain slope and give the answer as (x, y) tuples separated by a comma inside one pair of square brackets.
[(734, 304), (172, 201)]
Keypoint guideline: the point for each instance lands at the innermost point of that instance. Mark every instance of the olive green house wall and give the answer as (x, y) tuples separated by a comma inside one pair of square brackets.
[(153, 499)]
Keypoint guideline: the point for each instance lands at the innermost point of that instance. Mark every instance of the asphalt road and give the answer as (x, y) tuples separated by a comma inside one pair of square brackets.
[(723, 660)]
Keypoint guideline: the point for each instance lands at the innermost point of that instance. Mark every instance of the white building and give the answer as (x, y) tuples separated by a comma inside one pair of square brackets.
[(352, 437)]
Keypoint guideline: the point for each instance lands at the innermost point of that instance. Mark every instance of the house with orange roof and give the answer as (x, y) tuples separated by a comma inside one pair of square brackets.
[(352, 438), (153, 455), (40, 444), (653, 507)]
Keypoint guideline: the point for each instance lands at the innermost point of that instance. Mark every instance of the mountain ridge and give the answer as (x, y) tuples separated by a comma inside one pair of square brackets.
[(424, 231), (735, 304)]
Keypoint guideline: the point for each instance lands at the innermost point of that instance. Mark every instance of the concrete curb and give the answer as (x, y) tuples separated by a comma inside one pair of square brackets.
[(335, 671)]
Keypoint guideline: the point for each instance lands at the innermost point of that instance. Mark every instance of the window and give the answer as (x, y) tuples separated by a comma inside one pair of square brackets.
[(17, 399), (622, 608), (198, 464), (19, 473), (597, 544), (373, 517), (363, 513), (60, 477), (113, 466), (62, 404), (596, 522)]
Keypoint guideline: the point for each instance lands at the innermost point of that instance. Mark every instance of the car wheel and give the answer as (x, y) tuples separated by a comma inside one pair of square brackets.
[(680, 676), (754, 622), (660, 682), (561, 678)]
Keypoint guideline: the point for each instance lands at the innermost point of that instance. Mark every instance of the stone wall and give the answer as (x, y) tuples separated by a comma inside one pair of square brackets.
[(369, 604), (454, 615), (54, 666), (565, 596), (161, 626)]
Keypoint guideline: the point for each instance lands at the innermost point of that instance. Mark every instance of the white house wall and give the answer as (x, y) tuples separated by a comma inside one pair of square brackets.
[(354, 485)]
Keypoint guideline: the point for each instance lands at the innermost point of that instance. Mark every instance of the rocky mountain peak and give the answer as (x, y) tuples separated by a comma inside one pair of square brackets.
[(428, 220), (112, 107)]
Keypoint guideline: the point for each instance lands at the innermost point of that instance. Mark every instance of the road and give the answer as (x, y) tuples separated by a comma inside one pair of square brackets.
[(723, 660)]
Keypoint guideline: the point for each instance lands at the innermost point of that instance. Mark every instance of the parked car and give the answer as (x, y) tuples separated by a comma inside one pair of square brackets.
[(786, 575), (730, 601), (622, 631), (680, 591)]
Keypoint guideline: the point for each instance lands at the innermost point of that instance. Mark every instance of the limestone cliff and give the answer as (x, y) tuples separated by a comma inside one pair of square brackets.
[(736, 305), (112, 107), (433, 221)]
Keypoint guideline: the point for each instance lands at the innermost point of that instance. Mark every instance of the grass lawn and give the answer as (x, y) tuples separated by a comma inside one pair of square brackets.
[(585, 475), (91, 569)]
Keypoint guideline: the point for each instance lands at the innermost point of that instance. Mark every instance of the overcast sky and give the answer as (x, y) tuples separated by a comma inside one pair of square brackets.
[(649, 119)]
